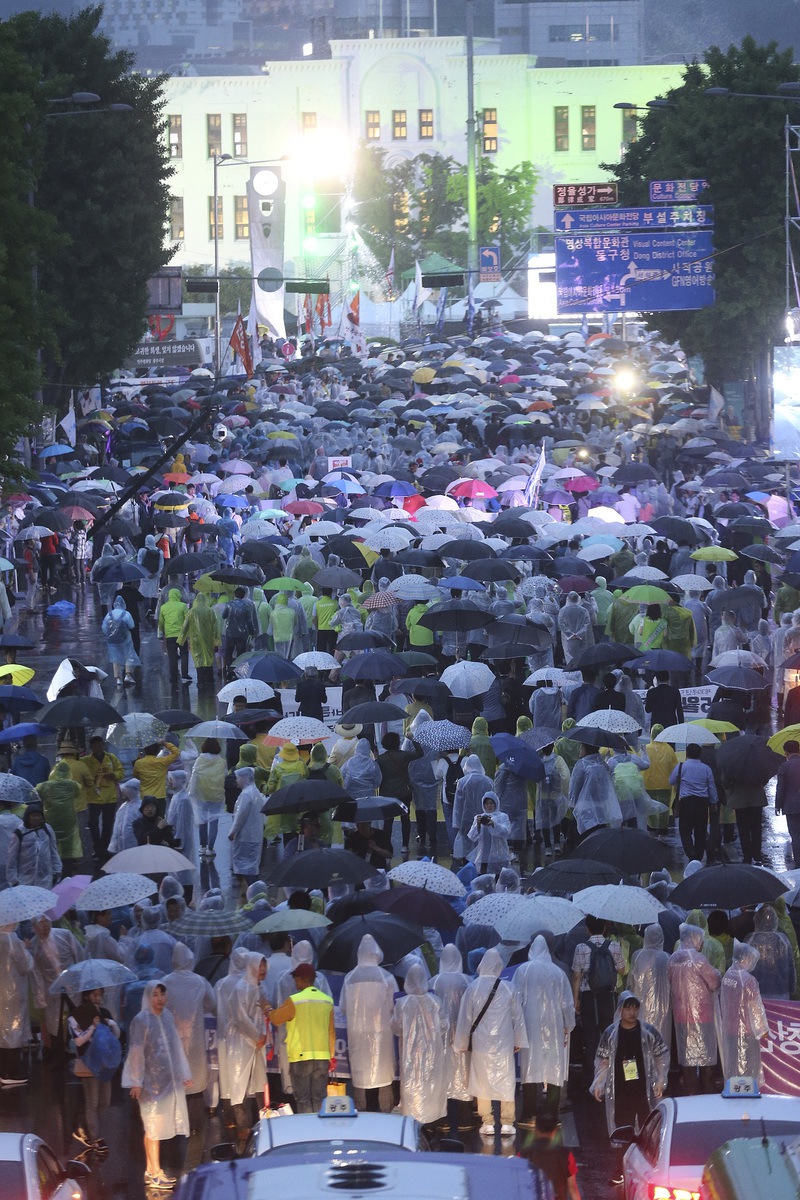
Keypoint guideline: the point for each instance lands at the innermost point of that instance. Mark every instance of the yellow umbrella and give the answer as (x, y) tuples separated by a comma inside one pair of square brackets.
[(714, 554), (424, 375), (716, 726), (15, 674), (280, 435), (370, 555), (778, 740), (210, 586)]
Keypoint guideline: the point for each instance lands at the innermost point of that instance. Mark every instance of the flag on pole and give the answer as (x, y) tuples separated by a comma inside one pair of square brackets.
[(324, 311), (68, 423), (240, 345), (308, 313), (352, 328), (389, 277), (530, 494)]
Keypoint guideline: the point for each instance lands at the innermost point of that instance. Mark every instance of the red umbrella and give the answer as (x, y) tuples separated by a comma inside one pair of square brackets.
[(472, 488), (76, 513), (304, 508), (577, 583)]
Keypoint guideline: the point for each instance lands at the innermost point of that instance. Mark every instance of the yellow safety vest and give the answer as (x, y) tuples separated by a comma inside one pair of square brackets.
[(307, 1035)]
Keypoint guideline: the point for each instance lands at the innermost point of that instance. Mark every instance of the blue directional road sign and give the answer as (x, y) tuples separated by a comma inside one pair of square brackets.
[(676, 191), (655, 271), (489, 264), (674, 216)]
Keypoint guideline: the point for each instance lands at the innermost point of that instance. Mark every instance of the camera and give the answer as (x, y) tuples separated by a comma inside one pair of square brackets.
[(485, 820)]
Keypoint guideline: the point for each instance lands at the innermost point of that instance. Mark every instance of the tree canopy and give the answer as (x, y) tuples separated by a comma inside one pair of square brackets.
[(738, 146)]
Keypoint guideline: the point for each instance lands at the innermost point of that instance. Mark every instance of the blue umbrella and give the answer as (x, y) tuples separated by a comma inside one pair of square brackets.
[(377, 666), (15, 733), (397, 488), (661, 660), (522, 759), (232, 501), (463, 583), (272, 668), (56, 450), (17, 699)]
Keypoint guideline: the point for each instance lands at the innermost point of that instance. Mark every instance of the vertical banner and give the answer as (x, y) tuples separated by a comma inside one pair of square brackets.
[(266, 208), (780, 1049)]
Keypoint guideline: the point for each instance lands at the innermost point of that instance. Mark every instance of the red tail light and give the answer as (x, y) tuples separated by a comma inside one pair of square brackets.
[(657, 1191)]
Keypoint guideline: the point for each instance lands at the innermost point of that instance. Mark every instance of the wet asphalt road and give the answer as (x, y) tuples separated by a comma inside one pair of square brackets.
[(51, 1104)]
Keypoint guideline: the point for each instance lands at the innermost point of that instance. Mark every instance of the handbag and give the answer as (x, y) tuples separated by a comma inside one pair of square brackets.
[(483, 1011)]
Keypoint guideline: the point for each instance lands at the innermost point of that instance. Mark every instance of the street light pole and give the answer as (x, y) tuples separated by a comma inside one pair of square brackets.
[(472, 182), (218, 158)]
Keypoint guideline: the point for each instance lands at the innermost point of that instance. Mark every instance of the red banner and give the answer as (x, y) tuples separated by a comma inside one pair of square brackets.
[(780, 1049), (240, 345)]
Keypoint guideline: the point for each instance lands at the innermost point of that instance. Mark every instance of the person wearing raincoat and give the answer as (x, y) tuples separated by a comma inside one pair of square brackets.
[(171, 619), (470, 790), (122, 835), (481, 746), (116, 627), (419, 1023), (33, 852), (207, 792), (742, 1020), (150, 559), (426, 788), (545, 997), (158, 1074), (649, 978), (663, 761), (367, 1002), (59, 794), (201, 630), (449, 987), (361, 775), (189, 999), (575, 627), (774, 971), (245, 1037), (223, 991), (247, 827), (181, 817), (693, 985), (512, 794), (491, 1027), (551, 798), (16, 964), (490, 831), (592, 796), (281, 624), (630, 1068)]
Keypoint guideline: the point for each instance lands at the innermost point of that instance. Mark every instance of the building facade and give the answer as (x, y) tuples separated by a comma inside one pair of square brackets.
[(573, 33)]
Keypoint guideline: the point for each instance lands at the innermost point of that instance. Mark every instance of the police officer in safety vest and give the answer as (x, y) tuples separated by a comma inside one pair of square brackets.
[(310, 1039)]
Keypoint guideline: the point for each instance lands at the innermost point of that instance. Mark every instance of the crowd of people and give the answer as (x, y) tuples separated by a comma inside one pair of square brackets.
[(478, 590)]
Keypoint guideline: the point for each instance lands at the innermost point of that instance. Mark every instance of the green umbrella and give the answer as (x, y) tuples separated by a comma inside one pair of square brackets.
[(282, 584), (646, 593)]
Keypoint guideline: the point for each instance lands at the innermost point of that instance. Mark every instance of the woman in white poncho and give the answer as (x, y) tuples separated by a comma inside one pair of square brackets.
[(157, 1073), (418, 1022)]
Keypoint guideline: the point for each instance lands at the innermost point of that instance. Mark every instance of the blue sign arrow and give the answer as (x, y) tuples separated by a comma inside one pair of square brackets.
[(677, 216)]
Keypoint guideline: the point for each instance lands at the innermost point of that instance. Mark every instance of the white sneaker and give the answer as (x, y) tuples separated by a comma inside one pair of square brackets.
[(486, 1130), (507, 1131)]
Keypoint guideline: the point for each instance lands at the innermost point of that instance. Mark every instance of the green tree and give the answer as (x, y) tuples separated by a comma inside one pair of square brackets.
[(738, 146), (235, 287), (103, 179)]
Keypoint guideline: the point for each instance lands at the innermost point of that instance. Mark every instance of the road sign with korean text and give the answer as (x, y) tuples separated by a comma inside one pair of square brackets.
[(582, 195), (595, 220), (676, 191)]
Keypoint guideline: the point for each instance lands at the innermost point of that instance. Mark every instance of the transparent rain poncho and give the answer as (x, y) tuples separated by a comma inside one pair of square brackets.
[(418, 1022), (223, 992), (189, 998), (774, 970), (16, 965), (367, 1001), (502, 1027), (449, 986), (693, 984), (655, 1053), (245, 1025), (545, 997), (742, 1020), (157, 1064), (649, 978)]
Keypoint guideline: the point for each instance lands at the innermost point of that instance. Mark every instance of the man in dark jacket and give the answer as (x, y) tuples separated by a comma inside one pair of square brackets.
[(663, 702), (394, 764), (787, 795), (609, 697)]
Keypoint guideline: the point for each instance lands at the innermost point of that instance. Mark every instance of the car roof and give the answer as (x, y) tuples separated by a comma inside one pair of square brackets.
[(308, 1127), (688, 1109)]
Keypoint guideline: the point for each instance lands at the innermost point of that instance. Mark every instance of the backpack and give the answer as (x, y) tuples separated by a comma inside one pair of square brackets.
[(151, 560), (602, 974), (117, 633), (103, 1054)]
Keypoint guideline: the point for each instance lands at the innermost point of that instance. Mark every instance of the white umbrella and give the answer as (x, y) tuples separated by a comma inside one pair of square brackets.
[(24, 903), (316, 658), (114, 891), (222, 731), (693, 583), (442, 736), (552, 913), (688, 734), (387, 539), (291, 919), (416, 587), (467, 679), (611, 720), (595, 551), (253, 690), (555, 675), (618, 902), (299, 729), (651, 573), (16, 790), (90, 974), (490, 910), (428, 875), (148, 860), (137, 730), (737, 658)]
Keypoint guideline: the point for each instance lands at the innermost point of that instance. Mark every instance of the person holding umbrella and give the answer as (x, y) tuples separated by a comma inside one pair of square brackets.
[(82, 1024)]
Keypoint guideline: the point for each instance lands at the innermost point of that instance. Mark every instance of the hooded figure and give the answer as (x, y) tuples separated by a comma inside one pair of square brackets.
[(361, 774), (367, 1002), (592, 796), (492, 1041), (548, 1008), (33, 852), (742, 1020), (449, 987), (751, 603), (189, 998), (59, 795), (247, 827), (117, 626), (654, 1060), (150, 559), (223, 991), (419, 1023), (157, 1065), (281, 624), (575, 626), (470, 790), (551, 797), (157, 939), (16, 965), (180, 816), (512, 795), (693, 984), (481, 746), (122, 835), (774, 969), (207, 793), (649, 977), (490, 832), (202, 632), (245, 1032)]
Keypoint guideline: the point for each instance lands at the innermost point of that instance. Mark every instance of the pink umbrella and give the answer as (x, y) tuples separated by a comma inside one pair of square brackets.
[(473, 488), (67, 893), (584, 484)]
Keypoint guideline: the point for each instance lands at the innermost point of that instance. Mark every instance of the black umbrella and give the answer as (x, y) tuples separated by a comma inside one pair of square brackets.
[(118, 571), (491, 570), (629, 850), (571, 875), (748, 759), (338, 950), (604, 655), (634, 473), (364, 639), (510, 650), (307, 795), (527, 553), (247, 574), (466, 550), (90, 712), (425, 688), (320, 868), (588, 736), (677, 529), (272, 668), (377, 666), (418, 558), (415, 658), (183, 564), (337, 577), (178, 718), (762, 553), (263, 554), (513, 527), (369, 808), (419, 906), (660, 660), (19, 699), (541, 736), (14, 641), (374, 712), (454, 616), (514, 628), (742, 679), (729, 885)]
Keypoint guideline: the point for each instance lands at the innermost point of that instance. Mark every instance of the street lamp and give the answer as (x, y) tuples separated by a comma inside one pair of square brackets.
[(218, 158)]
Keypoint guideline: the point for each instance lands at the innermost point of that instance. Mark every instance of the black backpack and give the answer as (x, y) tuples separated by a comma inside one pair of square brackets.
[(602, 974), (151, 560)]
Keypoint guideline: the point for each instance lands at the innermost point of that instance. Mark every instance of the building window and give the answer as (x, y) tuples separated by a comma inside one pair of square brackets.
[(215, 229), (561, 127), (176, 137), (425, 124), (241, 220), (490, 131), (240, 135), (400, 212), (630, 127), (176, 218), (373, 125), (213, 134), (583, 32), (308, 122), (399, 125), (588, 127)]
